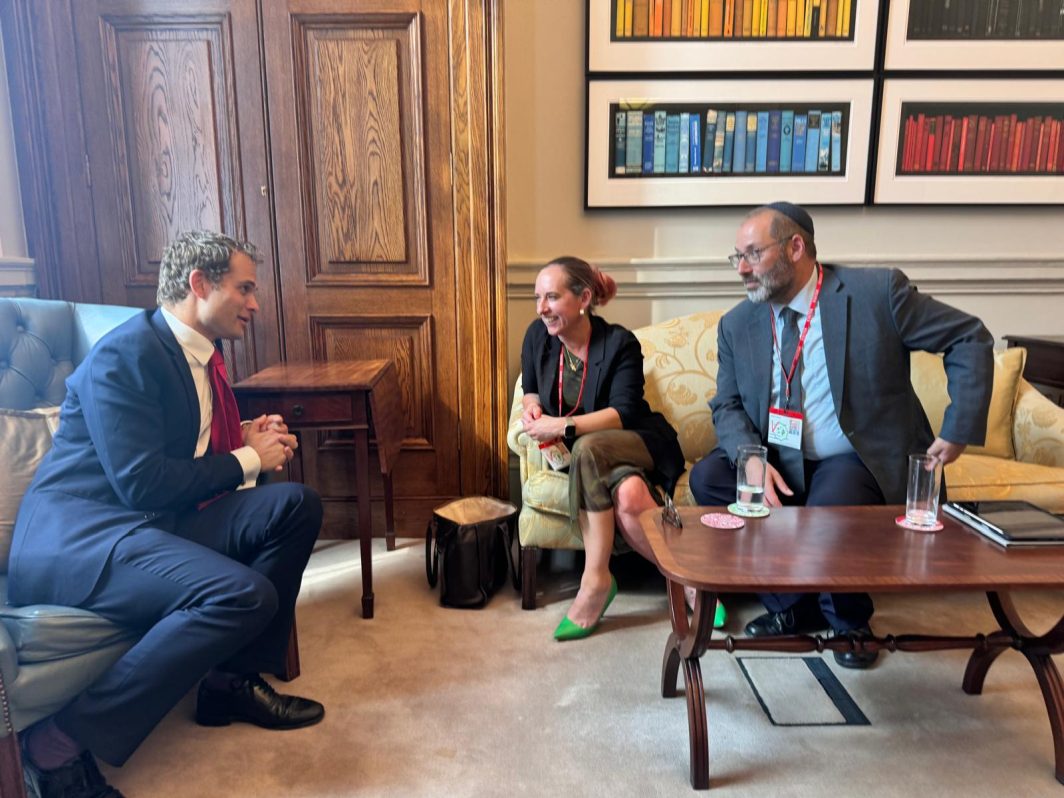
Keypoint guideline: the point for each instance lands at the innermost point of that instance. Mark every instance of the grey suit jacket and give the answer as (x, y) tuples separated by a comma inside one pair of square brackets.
[(872, 319)]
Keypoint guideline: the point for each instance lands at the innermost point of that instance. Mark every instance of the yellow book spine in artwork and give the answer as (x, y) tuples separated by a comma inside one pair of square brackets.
[(808, 29), (847, 11), (764, 18), (696, 17), (748, 14), (676, 28), (618, 31), (716, 18), (822, 29), (799, 17), (628, 18), (781, 19), (755, 21), (729, 18), (705, 18), (792, 16)]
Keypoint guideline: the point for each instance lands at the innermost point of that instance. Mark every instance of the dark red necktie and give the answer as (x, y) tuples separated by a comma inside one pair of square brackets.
[(225, 417)]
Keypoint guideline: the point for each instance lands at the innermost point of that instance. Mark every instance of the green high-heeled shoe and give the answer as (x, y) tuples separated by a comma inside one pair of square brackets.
[(720, 616), (567, 630)]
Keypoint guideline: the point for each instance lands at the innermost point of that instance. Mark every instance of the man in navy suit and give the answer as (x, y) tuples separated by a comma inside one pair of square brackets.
[(826, 348), (147, 514)]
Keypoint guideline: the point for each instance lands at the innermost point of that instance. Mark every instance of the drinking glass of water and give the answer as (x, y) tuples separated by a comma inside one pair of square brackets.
[(750, 467), (921, 495)]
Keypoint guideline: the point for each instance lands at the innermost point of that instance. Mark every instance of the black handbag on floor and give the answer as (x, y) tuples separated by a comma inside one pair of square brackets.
[(467, 549)]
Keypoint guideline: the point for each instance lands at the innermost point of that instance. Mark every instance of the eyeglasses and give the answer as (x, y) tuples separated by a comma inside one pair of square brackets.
[(753, 256)]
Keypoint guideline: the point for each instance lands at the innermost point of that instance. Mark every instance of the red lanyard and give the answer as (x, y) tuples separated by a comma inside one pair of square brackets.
[(561, 371), (787, 375)]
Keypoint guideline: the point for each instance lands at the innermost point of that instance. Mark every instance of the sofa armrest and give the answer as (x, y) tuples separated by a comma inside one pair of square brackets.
[(520, 444), (1037, 428)]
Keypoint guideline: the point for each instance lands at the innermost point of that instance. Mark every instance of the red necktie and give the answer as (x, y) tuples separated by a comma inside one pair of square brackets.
[(225, 417)]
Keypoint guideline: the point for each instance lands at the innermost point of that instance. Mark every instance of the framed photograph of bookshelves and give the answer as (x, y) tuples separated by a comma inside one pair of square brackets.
[(960, 142), (719, 35), (683, 143), (975, 34)]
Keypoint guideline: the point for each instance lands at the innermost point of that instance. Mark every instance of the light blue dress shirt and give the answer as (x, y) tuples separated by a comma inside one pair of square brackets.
[(821, 434)]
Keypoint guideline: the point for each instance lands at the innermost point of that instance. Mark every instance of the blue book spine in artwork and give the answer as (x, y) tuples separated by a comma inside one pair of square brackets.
[(685, 143), (696, 142), (729, 140), (710, 138), (718, 142), (836, 141), (659, 142), (634, 145), (751, 141), (812, 141), (774, 136), (824, 155), (648, 143), (786, 140), (798, 151), (739, 155), (761, 159), (672, 144), (620, 139)]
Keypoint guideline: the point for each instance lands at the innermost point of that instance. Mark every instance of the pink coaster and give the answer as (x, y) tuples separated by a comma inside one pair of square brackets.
[(900, 521), (722, 521)]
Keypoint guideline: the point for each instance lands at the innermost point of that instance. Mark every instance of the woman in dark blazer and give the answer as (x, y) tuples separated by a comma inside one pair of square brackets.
[(583, 389)]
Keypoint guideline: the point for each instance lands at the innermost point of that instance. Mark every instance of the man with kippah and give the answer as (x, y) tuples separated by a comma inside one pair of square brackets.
[(826, 348)]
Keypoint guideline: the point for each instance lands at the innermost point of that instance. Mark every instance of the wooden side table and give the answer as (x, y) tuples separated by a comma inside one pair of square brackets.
[(358, 395), (1045, 363)]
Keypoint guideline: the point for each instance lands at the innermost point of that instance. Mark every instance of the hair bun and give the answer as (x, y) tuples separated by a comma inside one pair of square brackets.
[(605, 286)]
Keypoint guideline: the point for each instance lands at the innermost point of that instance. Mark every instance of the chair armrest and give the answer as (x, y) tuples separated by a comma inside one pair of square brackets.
[(1037, 428), (8, 657)]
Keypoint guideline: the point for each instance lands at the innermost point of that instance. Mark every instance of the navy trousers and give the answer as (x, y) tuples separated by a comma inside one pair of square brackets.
[(217, 590), (838, 480)]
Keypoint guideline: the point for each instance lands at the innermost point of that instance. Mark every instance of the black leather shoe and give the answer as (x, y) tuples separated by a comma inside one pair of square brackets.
[(789, 622), (254, 701), (858, 660), (79, 778)]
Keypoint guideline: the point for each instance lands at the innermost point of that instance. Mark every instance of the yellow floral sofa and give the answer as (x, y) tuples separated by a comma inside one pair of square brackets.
[(1023, 457)]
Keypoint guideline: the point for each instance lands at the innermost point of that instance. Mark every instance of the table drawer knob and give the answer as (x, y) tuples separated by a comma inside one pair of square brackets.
[(297, 410)]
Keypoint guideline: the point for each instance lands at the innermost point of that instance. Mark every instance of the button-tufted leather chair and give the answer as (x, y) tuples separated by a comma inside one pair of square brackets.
[(48, 654)]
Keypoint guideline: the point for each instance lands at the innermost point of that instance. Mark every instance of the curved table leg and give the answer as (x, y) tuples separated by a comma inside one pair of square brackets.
[(684, 647), (1038, 651)]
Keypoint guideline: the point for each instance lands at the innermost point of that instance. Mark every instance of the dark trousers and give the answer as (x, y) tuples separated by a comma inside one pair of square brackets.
[(219, 590), (838, 480)]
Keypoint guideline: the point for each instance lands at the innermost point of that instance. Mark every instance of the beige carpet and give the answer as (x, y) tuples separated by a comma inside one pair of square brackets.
[(427, 701)]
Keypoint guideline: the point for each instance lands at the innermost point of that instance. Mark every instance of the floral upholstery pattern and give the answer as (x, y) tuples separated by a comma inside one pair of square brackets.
[(680, 366)]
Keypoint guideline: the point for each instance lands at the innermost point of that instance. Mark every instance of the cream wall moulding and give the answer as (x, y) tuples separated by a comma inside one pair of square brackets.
[(676, 143), (961, 142), (731, 35), (976, 35)]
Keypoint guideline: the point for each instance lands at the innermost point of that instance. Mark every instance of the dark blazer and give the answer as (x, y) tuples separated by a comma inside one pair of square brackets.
[(872, 319), (123, 457), (614, 379)]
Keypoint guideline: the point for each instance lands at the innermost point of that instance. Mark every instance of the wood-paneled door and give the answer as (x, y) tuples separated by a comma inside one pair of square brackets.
[(173, 106), (361, 127)]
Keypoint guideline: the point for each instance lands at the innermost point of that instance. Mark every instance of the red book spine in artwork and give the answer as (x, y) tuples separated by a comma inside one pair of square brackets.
[(929, 152), (1043, 145), (1024, 164), (941, 137), (969, 156), (954, 164), (994, 150), (980, 147), (907, 146), (921, 143), (963, 151)]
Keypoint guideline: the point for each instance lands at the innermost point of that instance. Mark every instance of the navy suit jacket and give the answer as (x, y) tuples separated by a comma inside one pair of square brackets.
[(872, 319), (123, 458), (614, 379)]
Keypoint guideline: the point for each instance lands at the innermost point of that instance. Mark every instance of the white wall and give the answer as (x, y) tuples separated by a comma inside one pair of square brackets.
[(1005, 265)]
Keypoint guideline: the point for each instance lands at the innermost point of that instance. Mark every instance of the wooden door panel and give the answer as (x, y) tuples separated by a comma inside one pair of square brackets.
[(368, 271), (166, 144)]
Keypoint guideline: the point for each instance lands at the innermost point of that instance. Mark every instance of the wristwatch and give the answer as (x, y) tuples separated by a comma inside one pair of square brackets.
[(570, 428)]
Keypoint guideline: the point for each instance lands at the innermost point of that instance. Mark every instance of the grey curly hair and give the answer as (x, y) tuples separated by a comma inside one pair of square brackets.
[(197, 249)]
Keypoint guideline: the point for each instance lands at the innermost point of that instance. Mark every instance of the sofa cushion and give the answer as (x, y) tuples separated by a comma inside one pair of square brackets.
[(547, 492), (929, 381), (25, 437), (975, 477)]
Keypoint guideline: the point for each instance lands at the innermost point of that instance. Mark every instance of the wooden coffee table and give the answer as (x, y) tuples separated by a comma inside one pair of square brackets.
[(842, 549)]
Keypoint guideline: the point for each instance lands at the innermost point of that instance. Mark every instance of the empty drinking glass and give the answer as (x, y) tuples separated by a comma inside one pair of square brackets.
[(921, 496)]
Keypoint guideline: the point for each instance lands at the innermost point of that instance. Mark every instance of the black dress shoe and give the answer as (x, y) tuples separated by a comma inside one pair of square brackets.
[(794, 621), (253, 700), (857, 659), (79, 778)]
